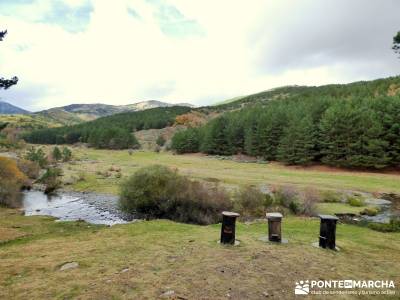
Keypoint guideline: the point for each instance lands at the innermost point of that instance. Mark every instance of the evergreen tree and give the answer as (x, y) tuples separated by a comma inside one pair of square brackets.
[(57, 155), (350, 136), (112, 132), (66, 154), (37, 156), (387, 111), (216, 137), (186, 141), (235, 134), (297, 145), (250, 138), (270, 131)]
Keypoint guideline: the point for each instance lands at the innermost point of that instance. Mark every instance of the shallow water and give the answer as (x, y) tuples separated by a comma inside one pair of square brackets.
[(92, 208), (385, 213)]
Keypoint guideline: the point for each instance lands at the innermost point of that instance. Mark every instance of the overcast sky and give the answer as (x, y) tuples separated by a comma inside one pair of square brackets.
[(125, 51)]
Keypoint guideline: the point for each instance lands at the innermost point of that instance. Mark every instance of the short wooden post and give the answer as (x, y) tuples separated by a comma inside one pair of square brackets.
[(274, 227), (327, 232), (228, 227)]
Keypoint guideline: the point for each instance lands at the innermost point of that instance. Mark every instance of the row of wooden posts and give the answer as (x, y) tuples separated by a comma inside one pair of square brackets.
[(327, 234)]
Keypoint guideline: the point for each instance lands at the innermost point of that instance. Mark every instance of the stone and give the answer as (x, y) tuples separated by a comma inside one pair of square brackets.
[(167, 294), (69, 266)]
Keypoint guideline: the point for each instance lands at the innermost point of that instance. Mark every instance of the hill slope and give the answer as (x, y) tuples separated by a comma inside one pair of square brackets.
[(7, 108), (79, 113), (29, 122), (110, 131), (380, 87), (353, 125)]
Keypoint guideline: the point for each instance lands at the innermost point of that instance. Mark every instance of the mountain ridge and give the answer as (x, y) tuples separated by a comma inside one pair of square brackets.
[(8, 109), (82, 112)]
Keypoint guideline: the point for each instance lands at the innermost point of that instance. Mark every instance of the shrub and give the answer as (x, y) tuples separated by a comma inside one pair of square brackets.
[(303, 203), (37, 156), (29, 168), (160, 141), (353, 201), (81, 176), (251, 202), (57, 155), (309, 198), (294, 207), (11, 182), (285, 195), (393, 226), (66, 154), (106, 174), (370, 211), (10, 193), (159, 192), (268, 201), (10, 171), (51, 180), (331, 197)]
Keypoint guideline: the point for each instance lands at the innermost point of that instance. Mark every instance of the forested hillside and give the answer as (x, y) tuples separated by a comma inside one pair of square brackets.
[(354, 125), (79, 113), (386, 86), (113, 132)]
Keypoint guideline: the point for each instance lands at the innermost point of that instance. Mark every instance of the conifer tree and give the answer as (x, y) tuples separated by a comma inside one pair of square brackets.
[(56, 154), (350, 136), (216, 137), (297, 146)]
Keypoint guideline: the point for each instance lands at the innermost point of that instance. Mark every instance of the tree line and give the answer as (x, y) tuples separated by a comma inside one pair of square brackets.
[(353, 131), (112, 132)]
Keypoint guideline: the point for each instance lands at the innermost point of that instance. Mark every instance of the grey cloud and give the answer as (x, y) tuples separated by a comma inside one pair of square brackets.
[(309, 34)]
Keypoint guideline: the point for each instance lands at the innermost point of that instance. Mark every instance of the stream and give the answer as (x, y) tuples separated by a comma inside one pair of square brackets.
[(73, 206), (103, 209)]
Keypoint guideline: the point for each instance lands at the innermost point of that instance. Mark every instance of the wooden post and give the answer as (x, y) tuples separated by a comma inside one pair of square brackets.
[(274, 227), (327, 232), (228, 227)]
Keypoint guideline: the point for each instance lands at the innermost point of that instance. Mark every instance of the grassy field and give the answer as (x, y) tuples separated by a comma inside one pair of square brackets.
[(226, 172), (333, 208), (143, 260)]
